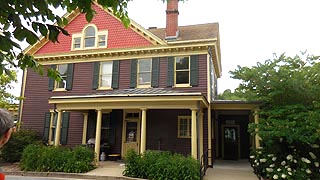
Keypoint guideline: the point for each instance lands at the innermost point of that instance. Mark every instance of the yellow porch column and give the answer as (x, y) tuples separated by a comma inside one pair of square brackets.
[(98, 134), (201, 133), (256, 121), (85, 126), (194, 153), (209, 136), (58, 129), (143, 131)]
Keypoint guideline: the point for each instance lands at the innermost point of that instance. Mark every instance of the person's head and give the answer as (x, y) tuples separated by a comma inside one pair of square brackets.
[(6, 126)]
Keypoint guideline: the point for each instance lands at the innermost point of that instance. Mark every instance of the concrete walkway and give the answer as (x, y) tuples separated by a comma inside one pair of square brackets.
[(230, 170), (108, 168)]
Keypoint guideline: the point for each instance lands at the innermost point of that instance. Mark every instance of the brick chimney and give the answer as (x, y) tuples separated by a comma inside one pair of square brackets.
[(172, 11)]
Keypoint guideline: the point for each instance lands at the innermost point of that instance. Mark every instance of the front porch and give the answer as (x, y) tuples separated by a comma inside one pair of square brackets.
[(119, 122)]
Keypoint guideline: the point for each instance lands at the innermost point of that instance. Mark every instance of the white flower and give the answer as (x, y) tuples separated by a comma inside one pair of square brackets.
[(283, 176), (308, 171), (289, 169), (269, 169), (289, 157), (306, 160), (290, 173), (278, 169), (283, 163), (271, 165), (295, 161), (252, 157), (275, 176), (270, 155), (313, 156), (274, 158), (316, 164), (263, 160)]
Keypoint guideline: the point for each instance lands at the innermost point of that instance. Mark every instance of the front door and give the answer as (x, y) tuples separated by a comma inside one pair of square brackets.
[(131, 132), (230, 142)]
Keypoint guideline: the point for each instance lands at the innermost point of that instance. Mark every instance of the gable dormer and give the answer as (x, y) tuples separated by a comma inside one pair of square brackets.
[(105, 31)]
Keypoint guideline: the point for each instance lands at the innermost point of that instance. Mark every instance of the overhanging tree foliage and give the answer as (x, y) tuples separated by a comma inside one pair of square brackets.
[(22, 20), (290, 117), (6, 98)]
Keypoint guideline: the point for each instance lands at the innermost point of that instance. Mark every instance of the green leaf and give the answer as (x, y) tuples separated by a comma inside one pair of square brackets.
[(6, 44), (43, 29), (31, 37), (34, 26), (89, 16), (19, 34)]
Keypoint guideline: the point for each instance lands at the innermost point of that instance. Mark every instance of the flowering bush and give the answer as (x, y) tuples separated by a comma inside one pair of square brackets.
[(295, 164)]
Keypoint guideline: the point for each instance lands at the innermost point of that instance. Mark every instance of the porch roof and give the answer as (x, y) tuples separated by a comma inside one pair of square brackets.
[(235, 105), (150, 98)]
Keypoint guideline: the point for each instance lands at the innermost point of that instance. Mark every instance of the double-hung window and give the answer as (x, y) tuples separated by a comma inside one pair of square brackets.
[(184, 126), (144, 72), (63, 70), (182, 71), (105, 79)]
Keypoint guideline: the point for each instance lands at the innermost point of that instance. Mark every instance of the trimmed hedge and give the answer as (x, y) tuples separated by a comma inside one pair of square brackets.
[(156, 165), (57, 159), (12, 151)]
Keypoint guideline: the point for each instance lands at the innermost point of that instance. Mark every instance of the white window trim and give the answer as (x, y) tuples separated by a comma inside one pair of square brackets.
[(72, 41), (175, 73), (82, 40), (189, 126), (100, 71), (148, 85)]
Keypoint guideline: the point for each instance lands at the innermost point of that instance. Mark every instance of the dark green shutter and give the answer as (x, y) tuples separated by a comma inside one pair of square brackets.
[(194, 70), (155, 72), (64, 128), (170, 75), (69, 77), (46, 127), (115, 75), (96, 71), (51, 80), (133, 76)]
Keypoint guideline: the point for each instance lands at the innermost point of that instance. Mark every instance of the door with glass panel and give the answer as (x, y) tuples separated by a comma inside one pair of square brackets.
[(131, 132)]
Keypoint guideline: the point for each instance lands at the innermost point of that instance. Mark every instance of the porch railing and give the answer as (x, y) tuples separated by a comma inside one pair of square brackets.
[(203, 164)]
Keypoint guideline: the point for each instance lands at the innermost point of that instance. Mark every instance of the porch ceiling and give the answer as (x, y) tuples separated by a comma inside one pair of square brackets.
[(132, 100)]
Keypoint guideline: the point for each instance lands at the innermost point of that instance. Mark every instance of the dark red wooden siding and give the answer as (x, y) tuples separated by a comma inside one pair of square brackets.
[(37, 95)]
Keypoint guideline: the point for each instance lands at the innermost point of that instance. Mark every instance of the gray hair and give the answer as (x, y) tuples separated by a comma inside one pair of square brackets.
[(6, 121)]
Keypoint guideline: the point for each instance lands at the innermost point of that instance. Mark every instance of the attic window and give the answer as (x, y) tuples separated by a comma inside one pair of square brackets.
[(89, 38)]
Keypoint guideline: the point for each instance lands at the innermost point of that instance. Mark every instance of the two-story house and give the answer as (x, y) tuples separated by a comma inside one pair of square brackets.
[(128, 88)]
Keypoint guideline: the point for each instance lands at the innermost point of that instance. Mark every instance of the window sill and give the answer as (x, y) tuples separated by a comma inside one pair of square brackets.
[(143, 86), (59, 90), (181, 85), (104, 88)]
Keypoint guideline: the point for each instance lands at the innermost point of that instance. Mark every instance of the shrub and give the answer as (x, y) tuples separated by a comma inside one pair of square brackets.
[(12, 151), (57, 159), (287, 162), (161, 165)]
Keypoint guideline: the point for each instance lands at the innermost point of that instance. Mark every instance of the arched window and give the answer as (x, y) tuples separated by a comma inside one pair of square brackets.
[(90, 37)]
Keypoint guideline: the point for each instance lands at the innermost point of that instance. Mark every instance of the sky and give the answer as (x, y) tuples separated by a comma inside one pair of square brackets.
[(251, 31)]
